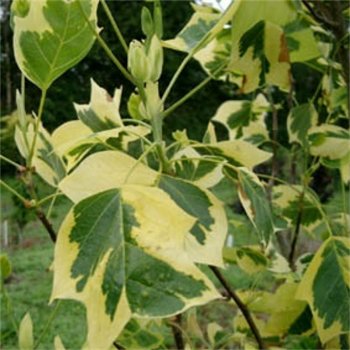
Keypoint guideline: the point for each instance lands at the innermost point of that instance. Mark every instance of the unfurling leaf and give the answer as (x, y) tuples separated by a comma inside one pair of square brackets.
[(26, 341)]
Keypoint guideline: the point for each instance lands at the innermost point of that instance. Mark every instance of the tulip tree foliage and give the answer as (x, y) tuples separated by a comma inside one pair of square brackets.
[(148, 218)]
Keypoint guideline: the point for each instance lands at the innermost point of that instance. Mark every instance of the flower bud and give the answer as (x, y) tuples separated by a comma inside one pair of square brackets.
[(138, 62)]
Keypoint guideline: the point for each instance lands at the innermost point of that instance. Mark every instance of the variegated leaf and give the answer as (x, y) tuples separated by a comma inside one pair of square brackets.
[(195, 29), (244, 119), (73, 140), (51, 37), (192, 166), (121, 252), (299, 121), (47, 163), (207, 236), (58, 343), (301, 42), (284, 312), (332, 143), (287, 203), (103, 171), (329, 141), (325, 287), (254, 200), (261, 57), (141, 334), (102, 113), (204, 24), (249, 258), (237, 152)]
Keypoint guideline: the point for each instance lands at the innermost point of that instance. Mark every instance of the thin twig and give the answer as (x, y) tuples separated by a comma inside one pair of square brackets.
[(296, 231), (117, 346), (47, 224), (244, 309), (105, 47), (115, 26)]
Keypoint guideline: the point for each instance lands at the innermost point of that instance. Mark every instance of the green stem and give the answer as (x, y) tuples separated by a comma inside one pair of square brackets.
[(176, 75), (52, 203), (15, 193), (51, 196), (105, 47), (115, 26), (277, 179), (136, 121), (37, 127), (344, 204), (186, 97), (21, 109), (321, 210), (23, 88), (49, 321), (207, 37), (18, 166)]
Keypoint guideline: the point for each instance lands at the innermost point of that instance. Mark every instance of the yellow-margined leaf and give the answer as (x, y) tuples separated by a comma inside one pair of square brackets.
[(325, 287), (329, 141), (105, 170), (51, 37), (121, 252), (102, 113), (206, 239), (192, 166), (332, 143), (254, 200), (238, 152), (58, 343), (244, 119), (73, 140)]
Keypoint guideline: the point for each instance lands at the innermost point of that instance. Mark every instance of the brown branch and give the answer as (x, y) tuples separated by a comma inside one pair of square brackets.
[(296, 231), (117, 346), (244, 309), (46, 223), (176, 329)]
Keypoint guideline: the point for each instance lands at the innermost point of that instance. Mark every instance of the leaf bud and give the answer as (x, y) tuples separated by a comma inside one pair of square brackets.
[(147, 22)]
